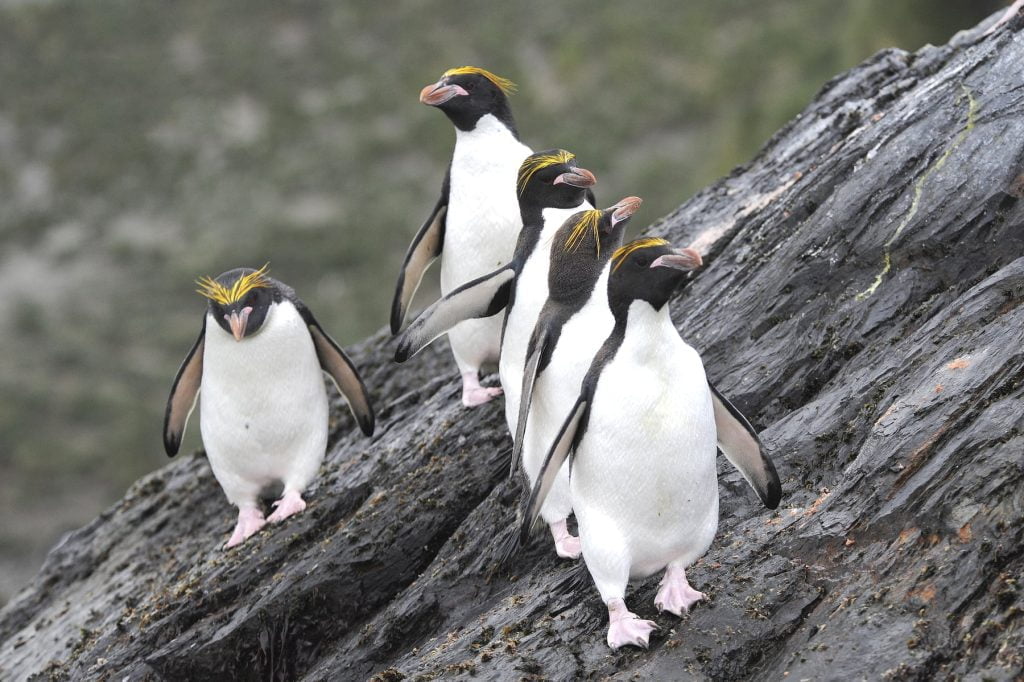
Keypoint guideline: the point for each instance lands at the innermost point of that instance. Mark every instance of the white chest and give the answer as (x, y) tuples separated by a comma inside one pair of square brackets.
[(483, 218), (647, 460), (656, 382), (263, 402), (558, 386), (581, 337), (530, 295)]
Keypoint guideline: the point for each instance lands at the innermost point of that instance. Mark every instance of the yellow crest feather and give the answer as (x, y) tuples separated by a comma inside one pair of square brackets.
[(534, 163), (622, 253), (587, 221), (215, 291), (503, 84)]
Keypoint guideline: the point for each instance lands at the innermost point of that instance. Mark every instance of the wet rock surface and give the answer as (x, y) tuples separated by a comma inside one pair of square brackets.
[(861, 302)]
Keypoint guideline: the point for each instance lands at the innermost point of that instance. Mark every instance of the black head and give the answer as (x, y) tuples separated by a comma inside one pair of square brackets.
[(240, 299), (648, 270), (469, 93), (551, 179), (583, 245)]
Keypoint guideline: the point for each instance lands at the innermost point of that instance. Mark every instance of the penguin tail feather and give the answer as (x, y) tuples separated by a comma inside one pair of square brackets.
[(508, 547), (573, 581), (513, 539)]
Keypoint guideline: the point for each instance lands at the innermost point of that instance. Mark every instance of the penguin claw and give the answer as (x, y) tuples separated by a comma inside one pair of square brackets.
[(250, 521), (479, 396), (676, 596), (568, 547), (677, 605), (291, 503), (630, 631), (473, 393)]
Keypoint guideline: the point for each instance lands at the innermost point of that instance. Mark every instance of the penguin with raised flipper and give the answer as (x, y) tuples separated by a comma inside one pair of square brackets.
[(476, 220), (551, 188), (257, 368), (571, 326), (642, 437)]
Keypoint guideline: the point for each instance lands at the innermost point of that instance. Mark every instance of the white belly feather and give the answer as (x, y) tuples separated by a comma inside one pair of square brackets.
[(644, 484), (530, 296), (263, 406), (482, 226), (557, 389)]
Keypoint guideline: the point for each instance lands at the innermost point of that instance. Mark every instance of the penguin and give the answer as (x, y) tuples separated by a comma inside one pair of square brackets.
[(257, 366), (572, 324), (642, 434), (476, 220), (551, 187)]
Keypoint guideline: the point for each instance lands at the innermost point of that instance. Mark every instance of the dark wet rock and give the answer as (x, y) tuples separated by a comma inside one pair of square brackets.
[(862, 303)]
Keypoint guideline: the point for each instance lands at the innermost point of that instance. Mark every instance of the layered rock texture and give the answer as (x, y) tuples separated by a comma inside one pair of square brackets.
[(861, 303)]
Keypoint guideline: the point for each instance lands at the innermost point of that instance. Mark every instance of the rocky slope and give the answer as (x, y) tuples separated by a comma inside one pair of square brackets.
[(861, 302)]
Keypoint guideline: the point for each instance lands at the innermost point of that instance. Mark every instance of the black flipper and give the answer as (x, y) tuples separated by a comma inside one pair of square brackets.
[(339, 367), (481, 297), (564, 442), (426, 246), (534, 355), (184, 393), (738, 440)]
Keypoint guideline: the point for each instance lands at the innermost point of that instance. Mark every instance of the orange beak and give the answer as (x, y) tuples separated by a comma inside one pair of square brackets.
[(578, 177), (682, 259), (625, 209), (237, 321), (440, 92)]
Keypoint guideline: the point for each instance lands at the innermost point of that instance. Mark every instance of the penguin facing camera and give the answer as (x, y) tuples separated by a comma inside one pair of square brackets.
[(641, 440), (257, 369)]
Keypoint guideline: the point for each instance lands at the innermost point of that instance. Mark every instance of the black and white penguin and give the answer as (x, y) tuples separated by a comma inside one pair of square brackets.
[(551, 187), (642, 435), (572, 324), (476, 220), (258, 366)]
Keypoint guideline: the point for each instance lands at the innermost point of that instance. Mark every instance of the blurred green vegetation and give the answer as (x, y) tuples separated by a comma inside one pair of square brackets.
[(145, 143)]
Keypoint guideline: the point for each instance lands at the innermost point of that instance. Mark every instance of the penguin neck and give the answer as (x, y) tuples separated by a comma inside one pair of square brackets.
[(574, 273), (490, 125), (538, 220), (573, 283), (643, 318), (587, 302), (646, 333), (637, 313)]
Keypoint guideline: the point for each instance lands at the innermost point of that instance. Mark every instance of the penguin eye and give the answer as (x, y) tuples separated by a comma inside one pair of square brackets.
[(470, 86), (643, 261)]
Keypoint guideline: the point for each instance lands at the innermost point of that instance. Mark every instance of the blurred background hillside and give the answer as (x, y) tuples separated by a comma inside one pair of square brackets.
[(145, 143)]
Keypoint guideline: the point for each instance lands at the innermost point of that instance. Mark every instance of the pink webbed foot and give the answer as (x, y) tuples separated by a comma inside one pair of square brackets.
[(250, 521), (676, 595), (626, 628), (567, 546), (290, 503), (474, 394)]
